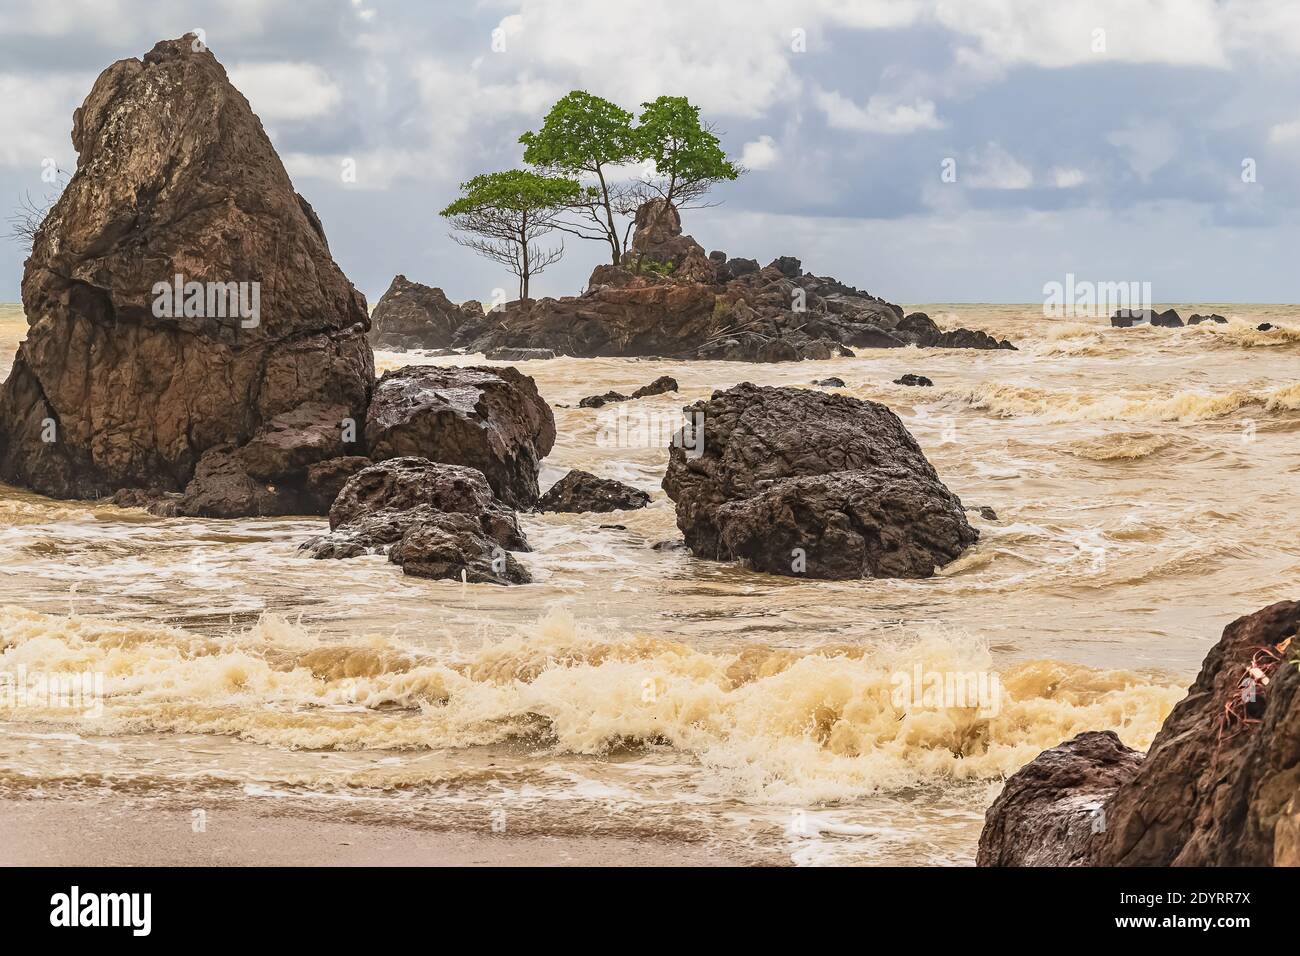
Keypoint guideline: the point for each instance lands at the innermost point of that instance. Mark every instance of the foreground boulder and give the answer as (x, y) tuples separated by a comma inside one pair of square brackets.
[(434, 520), (491, 419), (122, 382), (800, 482), (415, 316), (667, 298), (581, 491), (1216, 788)]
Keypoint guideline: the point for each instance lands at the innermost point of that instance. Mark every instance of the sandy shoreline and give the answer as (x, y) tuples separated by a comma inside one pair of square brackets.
[(114, 832)]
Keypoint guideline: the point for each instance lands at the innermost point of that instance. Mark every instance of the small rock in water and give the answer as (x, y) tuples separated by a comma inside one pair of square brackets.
[(676, 544), (1214, 317), (910, 379), (596, 401), (833, 382), (518, 355), (1264, 327), (581, 491), (664, 383), (984, 511)]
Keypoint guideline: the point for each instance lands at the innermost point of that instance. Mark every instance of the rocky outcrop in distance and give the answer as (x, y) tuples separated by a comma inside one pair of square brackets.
[(669, 299), (414, 316), (182, 301), (1217, 787), (806, 483)]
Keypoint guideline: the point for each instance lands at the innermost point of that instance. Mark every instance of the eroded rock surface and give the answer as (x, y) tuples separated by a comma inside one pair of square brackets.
[(115, 387), (414, 316), (800, 482), (1216, 788), (491, 419), (581, 491)]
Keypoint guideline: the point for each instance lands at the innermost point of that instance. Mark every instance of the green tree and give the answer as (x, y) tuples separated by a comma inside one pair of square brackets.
[(688, 158), (587, 136), (502, 215)]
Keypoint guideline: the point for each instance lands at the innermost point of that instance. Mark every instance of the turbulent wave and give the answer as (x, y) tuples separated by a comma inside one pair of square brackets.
[(770, 723), (1006, 400)]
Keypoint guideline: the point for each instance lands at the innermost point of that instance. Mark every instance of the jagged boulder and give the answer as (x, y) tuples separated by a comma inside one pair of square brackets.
[(491, 419), (126, 380), (415, 316), (1216, 788), (434, 520), (581, 491), (659, 246), (800, 482)]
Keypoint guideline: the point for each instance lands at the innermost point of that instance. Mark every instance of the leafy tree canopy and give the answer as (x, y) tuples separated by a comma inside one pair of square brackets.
[(687, 156), (514, 191), (582, 133)]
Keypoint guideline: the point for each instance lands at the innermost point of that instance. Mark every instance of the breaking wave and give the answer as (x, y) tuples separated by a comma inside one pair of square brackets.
[(770, 723), (1006, 400)]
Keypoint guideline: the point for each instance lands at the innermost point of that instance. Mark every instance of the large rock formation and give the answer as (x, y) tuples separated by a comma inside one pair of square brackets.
[(800, 482), (414, 316), (491, 419), (669, 299), (1216, 788), (121, 382)]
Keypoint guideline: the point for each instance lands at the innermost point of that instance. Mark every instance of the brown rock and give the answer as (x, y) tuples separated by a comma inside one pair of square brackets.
[(581, 491), (491, 419), (415, 316), (1216, 788), (174, 176)]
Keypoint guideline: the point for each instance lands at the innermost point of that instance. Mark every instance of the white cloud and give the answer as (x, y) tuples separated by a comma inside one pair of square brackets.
[(760, 153), (1146, 146), (995, 168), (286, 91), (1067, 178), (1285, 132), (879, 116), (35, 114)]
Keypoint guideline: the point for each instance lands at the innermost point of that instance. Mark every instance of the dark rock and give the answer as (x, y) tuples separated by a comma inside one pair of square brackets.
[(674, 545), (580, 491), (910, 379), (833, 382), (491, 419), (1049, 809), (1214, 317), (1167, 319), (1127, 318), (175, 175), (1264, 327), (415, 316), (325, 479), (222, 488), (984, 511), (518, 355), (788, 266), (836, 477), (404, 484), (285, 446), (453, 546), (598, 401), (735, 268), (1212, 790), (660, 386)]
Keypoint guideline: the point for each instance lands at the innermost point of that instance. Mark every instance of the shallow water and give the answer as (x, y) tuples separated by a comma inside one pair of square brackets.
[(1138, 476)]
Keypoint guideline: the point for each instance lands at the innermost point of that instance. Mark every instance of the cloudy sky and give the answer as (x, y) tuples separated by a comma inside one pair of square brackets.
[(1119, 140)]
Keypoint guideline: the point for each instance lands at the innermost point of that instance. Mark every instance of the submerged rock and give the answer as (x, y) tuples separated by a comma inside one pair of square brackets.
[(123, 384), (661, 385), (833, 382), (800, 482), (518, 355), (581, 491), (1168, 319), (910, 379), (1216, 787), (1213, 317), (491, 419), (415, 316)]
